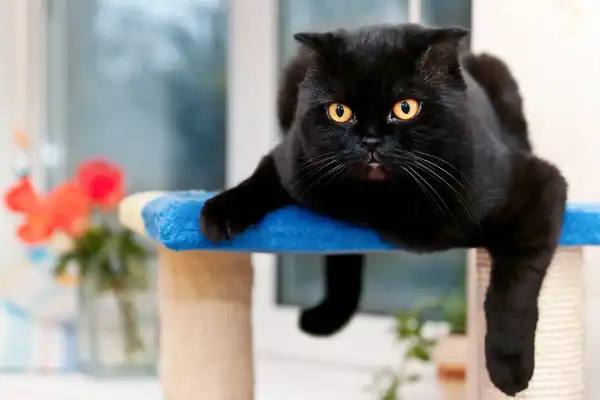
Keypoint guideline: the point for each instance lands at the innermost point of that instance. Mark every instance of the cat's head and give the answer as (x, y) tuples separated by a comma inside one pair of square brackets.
[(375, 98)]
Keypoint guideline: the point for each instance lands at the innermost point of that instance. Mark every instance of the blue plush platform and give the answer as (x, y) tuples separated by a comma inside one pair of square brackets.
[(172, 220)]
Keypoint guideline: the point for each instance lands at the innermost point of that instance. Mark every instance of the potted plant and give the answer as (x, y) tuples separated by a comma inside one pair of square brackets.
[(109, 263), (409, 331), (448, 352), (451, 351)]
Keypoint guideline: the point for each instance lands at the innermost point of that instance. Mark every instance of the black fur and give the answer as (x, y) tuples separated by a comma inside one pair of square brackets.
[(343, 289), (459, 174), (343, 273)]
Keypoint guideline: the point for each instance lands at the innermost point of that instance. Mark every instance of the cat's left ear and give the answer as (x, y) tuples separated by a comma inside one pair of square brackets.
[(439, 62), (320, 43), (452, 34)]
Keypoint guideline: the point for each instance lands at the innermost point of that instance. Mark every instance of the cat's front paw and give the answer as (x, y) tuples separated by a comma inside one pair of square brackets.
[(223, 217), (510, 359)]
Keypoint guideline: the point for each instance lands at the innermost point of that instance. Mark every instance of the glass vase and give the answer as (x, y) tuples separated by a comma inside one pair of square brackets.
[(117, 329)]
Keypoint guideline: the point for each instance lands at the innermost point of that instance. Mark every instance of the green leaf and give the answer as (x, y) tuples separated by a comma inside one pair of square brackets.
[(391, 393), (408, 325), (417, 352), (111, 257), (89, 245), (130, 246), (62, 264), (454, 311), (105, 274)]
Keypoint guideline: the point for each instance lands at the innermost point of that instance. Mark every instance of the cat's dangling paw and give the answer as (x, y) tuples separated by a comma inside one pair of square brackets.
[(510, 360), (223, 217)]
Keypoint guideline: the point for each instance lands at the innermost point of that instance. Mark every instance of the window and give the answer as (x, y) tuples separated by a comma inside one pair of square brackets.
[(393, 281), (142, 83)]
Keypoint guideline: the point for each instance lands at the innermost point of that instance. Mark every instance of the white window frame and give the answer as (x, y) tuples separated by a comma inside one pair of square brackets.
[(21, 100), (25, 68)]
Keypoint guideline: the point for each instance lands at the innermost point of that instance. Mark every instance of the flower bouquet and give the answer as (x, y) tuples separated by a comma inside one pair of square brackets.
[(81, 212)]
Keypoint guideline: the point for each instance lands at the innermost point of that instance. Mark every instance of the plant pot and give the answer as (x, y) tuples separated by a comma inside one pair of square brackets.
[(450, 356), (117, 331)]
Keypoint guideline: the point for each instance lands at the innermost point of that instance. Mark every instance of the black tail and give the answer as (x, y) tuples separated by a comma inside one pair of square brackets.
[(343, 289), (502, 89)]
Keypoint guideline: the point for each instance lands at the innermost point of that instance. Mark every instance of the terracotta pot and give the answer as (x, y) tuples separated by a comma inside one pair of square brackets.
[(450, 357)]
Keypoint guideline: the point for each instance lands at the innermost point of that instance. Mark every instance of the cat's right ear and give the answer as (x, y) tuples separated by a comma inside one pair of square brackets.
[(317, 42)]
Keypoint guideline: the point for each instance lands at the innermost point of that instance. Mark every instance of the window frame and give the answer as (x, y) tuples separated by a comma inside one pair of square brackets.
[(26, 67)]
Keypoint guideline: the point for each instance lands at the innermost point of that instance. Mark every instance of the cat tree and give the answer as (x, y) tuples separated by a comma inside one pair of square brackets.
[(205, 296)]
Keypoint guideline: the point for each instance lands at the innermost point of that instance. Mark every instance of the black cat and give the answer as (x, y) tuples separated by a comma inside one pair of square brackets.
[(394, 128)]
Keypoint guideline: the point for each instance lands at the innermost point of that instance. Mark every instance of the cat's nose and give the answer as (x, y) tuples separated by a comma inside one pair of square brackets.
[(371, 143)]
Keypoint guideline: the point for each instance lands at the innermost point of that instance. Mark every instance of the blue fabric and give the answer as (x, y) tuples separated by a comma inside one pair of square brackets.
[(172, 220)]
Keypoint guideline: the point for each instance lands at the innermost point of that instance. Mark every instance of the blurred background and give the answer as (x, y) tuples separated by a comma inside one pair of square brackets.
[(180, 94)]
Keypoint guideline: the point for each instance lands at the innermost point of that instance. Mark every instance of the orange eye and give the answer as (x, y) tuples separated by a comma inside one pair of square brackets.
[(339, 112), (406, 109)]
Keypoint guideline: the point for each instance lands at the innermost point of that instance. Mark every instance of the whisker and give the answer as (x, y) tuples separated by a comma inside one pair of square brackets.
[(310, 168), (445, 162), (321, 158), (424, 181), (426, 166), (312, 172), (337, 172), (423, 188), (432, 164), (330, 173), (439, 178)]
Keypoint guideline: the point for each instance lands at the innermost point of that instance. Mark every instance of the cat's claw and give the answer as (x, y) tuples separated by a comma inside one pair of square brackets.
[(221, 220), (510, 361)]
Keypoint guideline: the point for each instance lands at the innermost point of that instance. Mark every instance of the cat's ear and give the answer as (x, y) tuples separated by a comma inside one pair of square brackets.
[(439, 61), (451, 35), (319, 43)]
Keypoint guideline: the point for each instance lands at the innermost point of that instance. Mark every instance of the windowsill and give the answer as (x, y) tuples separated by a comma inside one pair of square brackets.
[(277, 379), (76, 387)]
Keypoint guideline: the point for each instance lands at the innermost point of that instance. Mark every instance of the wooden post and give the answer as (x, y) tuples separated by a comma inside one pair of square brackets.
[(559, 357)]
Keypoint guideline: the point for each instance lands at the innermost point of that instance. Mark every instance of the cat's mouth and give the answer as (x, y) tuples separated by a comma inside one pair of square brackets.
[(374, 169)]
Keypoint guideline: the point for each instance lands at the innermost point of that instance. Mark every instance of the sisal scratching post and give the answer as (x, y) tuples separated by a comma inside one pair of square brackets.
[(206, 338), (204, 300), (559, 340)]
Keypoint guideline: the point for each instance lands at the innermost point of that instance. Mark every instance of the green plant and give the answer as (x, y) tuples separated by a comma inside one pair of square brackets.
[(113, 260), (409, 331), (453, 309), (80, 210)]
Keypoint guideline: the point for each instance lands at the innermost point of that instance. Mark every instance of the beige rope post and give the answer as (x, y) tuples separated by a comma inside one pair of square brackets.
[(205, 318), (560, 337)]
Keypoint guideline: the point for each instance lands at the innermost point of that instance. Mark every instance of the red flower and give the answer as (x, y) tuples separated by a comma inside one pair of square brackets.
[(102, 181), (66, 209), (36, 229), (21, 197), (69, 207)]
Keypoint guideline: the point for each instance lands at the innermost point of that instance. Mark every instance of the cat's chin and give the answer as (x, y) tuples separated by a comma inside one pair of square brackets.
[(375, 172)]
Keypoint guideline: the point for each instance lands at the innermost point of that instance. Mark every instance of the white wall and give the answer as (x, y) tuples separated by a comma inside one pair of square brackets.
[(8, 243), (552, 48)]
